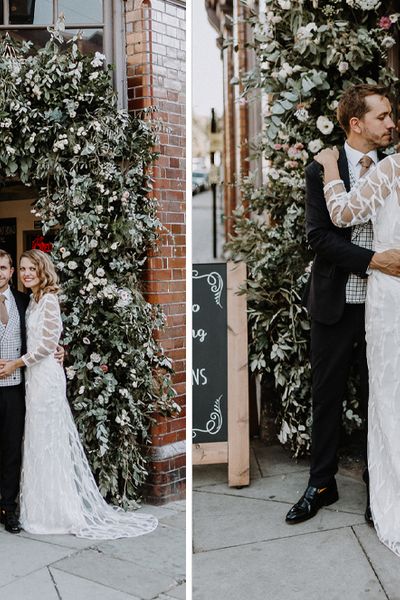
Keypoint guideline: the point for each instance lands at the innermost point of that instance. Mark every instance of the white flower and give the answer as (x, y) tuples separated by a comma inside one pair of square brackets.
[(86, 340), (302, 114), (81, 390), (284, 432), (98, 60), (77, 149), (394, 17), (93, 75), (95, 357), (315, 145), (325, 125), (87, 262), (285, 4), (100, 272), (343, 66), (89, 365), (94, 243), (81, 132), (72, 265), (70, 371), (306, 32), (388, 41), (114, 246)]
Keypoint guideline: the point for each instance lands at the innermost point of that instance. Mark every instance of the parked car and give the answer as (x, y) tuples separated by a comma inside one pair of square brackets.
[(200, 181)]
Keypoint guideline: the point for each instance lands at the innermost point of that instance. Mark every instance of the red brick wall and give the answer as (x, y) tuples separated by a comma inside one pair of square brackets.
[(155, 34)]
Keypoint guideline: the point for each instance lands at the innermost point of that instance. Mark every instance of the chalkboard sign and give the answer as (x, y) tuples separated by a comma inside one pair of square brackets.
[(209, 374)]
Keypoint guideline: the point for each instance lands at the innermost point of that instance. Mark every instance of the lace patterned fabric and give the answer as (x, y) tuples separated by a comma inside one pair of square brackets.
[(377, 198), (59, 494)]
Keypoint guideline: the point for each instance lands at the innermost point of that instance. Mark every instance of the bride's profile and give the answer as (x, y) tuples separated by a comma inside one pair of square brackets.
[(59, 494)]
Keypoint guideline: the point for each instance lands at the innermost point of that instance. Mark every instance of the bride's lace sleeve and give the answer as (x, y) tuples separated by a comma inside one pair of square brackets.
[(362, 202), (51, 327)]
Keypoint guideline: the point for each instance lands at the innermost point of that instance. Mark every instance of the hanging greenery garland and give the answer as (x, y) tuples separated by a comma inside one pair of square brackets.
[(61, 131), (307, 53)]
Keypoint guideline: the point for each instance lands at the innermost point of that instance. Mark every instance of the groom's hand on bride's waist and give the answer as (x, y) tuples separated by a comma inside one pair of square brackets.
[(388, 262)]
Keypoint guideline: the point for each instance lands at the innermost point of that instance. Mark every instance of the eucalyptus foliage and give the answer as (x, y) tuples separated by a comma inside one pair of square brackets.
[(61, 131), (307, 52)]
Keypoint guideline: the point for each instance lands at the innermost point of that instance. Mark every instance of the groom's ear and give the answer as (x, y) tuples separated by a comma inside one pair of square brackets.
[(354, 125)]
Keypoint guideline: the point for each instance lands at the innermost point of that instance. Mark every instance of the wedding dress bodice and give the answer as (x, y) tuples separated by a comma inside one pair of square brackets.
[(44, 327)]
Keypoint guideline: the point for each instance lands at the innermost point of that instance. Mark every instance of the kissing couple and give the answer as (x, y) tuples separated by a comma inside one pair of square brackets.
[(353, 298), (56, 488)]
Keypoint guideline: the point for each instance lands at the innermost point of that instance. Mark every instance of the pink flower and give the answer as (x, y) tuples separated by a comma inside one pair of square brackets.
[(277, 146), (385, 23), (104, 368)]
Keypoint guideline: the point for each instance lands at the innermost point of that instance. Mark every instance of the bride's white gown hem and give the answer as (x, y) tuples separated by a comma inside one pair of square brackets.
[(59, 494)]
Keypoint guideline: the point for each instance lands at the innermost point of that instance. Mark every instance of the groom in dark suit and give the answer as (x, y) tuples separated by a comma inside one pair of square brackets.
[(335, 294)]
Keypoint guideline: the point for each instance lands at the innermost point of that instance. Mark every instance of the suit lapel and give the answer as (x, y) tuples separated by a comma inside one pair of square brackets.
[(344, 168)]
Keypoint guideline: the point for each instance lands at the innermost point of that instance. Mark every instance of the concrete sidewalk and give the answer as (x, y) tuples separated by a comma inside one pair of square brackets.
[(244, 550), (63, 567)]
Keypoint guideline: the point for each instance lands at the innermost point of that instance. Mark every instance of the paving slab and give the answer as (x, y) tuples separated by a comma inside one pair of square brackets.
[(71, 587), (313, 566), (38, 585), (384, 562), (178, 593), (289, 487), (275, 460), (146, 583), (163, 548), (222, 520), (20, 556)]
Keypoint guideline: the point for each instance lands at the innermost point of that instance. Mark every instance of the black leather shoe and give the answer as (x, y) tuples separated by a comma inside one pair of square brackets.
[(310, 503), (367, 514), (10, 521)]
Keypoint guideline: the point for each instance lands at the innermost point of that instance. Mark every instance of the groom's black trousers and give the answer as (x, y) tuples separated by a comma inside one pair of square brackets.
[(334, 348), (12, 418)]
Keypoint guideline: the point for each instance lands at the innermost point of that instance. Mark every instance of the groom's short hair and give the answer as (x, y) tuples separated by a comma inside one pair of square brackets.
[(352, 102), (5, 254)]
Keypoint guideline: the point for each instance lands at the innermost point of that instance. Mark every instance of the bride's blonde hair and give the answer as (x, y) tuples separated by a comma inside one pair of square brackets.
[(48, 278)]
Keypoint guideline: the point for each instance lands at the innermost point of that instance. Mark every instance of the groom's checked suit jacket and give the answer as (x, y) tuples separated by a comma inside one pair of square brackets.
[(335, 258)]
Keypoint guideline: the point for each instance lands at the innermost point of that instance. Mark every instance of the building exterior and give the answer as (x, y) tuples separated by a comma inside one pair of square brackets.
[(145, 40)]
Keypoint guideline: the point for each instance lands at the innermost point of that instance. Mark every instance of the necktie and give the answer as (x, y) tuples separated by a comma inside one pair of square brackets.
[(3, 310), (365, 162)]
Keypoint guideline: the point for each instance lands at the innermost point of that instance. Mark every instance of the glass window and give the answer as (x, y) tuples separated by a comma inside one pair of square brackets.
[(77, 11), (31, 12)]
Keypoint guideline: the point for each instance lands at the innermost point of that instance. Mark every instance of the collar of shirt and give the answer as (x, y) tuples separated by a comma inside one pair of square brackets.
[(353, 158)]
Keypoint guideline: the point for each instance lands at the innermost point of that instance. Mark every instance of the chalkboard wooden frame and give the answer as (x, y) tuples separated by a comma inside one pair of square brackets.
[(236, 451)]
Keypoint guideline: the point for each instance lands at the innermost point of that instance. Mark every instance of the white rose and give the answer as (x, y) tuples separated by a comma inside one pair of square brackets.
[(388, 41), (89, 365), (70, 371), (343, 66), (315, 145), (100, 272), (94, 243), (325, 125), (95, 357), (72, 265), (98, 60), (86, 340)]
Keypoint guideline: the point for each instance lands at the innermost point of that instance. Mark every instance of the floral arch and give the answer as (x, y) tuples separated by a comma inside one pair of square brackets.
[(61, 132)]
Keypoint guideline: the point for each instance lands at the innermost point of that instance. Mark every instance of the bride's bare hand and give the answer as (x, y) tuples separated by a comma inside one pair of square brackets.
[(327, 156)]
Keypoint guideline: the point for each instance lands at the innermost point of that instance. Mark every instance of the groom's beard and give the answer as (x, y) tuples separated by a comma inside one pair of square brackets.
[(375, 140)]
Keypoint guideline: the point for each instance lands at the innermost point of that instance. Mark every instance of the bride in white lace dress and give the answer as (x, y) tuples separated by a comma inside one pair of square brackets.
[(59, 494), (376, 198)]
